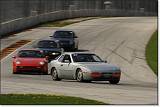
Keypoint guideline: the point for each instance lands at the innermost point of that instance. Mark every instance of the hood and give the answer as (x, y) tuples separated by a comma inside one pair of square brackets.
[(101, 67), (67, 39), (30, 61)]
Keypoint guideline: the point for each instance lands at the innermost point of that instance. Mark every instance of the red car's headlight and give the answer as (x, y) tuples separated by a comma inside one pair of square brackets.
[(18, 62), (41, 63)]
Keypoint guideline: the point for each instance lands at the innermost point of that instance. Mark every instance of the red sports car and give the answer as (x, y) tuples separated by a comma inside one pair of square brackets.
[(30, 60)]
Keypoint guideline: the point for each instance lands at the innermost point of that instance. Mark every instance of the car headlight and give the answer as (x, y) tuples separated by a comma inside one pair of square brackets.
[(56, 40), (41, 63), (54, 53), (18, 62)]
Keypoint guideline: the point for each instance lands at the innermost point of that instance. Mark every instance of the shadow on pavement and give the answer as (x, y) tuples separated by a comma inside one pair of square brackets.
[(134, 85), (31, 73)]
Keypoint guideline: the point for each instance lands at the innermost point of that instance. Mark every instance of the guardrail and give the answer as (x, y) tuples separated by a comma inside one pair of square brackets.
[(26, 22)]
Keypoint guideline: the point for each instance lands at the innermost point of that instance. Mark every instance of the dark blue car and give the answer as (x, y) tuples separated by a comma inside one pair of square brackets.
[(50, 48), (66, 38)]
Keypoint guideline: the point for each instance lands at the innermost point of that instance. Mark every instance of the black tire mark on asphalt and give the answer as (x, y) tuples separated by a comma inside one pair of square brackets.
[(91, 39), (125, 59)]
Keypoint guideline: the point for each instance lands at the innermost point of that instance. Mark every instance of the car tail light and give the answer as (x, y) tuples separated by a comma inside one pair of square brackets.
[(96, 74), (116, 74)]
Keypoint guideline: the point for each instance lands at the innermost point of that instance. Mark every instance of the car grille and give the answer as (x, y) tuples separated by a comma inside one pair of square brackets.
[(107, 74), (28, 68), (64, 42)]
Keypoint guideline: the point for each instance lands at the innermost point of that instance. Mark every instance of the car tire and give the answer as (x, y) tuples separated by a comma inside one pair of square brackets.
[(54, 74), (87, 81), (79, 76), (114, 81)]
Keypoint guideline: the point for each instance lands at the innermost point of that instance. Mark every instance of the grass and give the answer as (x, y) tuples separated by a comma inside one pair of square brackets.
[(28, 99), (152, 52)]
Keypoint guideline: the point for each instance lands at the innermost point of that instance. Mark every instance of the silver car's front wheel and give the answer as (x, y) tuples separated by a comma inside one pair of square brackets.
[(79, 76), (54, 74)]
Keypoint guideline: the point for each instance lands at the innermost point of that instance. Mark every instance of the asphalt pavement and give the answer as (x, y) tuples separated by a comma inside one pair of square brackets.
[(120, 40)]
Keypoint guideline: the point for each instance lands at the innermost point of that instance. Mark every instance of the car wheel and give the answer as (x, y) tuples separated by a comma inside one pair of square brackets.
[(114, 81), (79, 76), (87, 81), (54, 74)]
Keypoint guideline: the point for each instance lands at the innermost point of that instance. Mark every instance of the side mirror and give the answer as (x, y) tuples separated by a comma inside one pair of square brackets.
[(14, 57), (66, 61)]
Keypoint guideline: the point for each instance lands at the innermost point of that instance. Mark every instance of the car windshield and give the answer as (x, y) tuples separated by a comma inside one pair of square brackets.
[(47, 44), (63, 34), (30, 54), (86, 58)]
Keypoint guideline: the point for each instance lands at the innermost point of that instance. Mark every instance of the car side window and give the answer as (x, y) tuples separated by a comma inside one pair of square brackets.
[(66, 57), (61, 58)]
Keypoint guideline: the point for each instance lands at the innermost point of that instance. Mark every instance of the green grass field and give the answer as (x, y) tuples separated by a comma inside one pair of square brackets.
[(35, 99), (152, 52)]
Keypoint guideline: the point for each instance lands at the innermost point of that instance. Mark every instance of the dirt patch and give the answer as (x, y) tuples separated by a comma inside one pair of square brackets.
[(12, 48)]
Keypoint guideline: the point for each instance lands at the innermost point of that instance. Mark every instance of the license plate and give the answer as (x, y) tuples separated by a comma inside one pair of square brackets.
[(107, 75)]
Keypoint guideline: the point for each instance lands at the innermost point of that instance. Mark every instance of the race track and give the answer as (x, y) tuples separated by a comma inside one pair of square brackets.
[(120, 41)]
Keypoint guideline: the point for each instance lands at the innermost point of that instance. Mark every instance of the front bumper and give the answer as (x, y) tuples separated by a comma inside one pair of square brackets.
[(32, 68), (103, 77), (67, 46)]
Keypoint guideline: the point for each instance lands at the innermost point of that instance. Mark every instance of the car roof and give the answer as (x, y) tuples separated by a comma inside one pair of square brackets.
[(47, 40), (64, 30), (78, 53)]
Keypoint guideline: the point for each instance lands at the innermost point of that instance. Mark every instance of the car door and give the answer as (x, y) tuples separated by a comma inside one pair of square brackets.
[(59, 67), (67, 67)]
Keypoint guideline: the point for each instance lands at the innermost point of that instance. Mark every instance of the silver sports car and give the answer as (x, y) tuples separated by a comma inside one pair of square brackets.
[(83, 66)]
